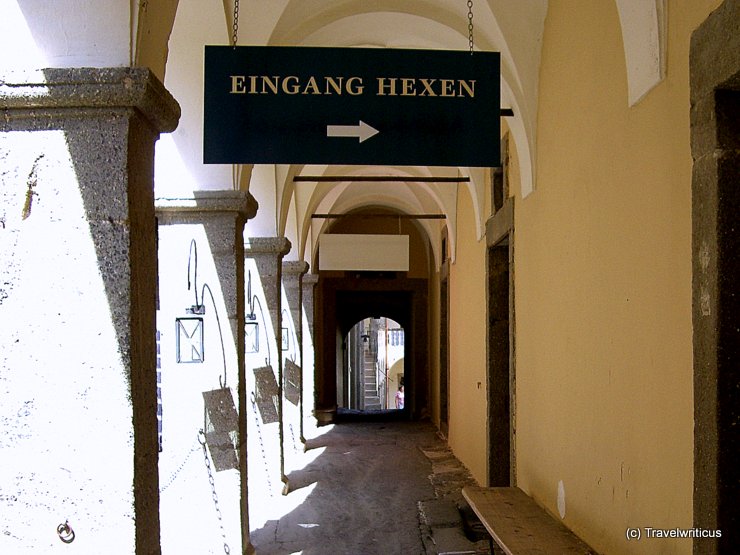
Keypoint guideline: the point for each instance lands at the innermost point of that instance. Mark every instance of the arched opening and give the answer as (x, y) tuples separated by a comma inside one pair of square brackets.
[(374, 299), (372, 373)]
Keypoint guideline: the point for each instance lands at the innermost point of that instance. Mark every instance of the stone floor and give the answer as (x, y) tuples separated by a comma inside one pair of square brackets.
[(369, 488)]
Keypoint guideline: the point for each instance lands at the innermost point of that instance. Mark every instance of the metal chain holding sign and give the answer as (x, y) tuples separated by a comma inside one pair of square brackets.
[(235, 26), (470, 26)]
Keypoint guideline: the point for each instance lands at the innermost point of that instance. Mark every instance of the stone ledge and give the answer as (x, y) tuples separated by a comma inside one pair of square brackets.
[(209, 201), (266, 245), (293, 267), (24, 92)]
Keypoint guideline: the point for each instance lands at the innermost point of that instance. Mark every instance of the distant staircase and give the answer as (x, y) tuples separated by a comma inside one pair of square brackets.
[(370, 379)]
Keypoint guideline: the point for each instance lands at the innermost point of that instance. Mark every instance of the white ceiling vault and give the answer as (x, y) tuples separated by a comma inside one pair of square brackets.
[(168, 36), (513, 28)]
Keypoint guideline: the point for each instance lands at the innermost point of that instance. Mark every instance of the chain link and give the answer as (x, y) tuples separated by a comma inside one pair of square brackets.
[(470, 26), (214, 495), (262, 443), (235, 34), (176, 473)]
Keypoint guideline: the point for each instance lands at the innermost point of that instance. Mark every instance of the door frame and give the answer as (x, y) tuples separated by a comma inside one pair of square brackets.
[(501, 382), (715, 135)]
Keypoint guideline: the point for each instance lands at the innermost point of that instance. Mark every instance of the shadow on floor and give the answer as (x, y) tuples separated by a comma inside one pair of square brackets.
[(362, 494)]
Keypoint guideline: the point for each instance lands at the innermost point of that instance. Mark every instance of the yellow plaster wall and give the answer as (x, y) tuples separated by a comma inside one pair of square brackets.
[(604, 391), (467, 317)]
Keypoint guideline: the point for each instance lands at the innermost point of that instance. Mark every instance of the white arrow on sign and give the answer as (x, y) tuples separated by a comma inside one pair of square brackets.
[(362, 131)]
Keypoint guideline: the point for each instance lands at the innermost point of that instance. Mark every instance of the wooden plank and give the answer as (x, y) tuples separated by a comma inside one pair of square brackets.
[(519, 525)]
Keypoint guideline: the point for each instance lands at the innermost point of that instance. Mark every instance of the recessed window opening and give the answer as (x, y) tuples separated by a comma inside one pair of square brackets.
[(373, 377)]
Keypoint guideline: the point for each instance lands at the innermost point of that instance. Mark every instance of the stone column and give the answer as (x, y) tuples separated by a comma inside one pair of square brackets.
[(292, 277), (715, 148), (223, 215), (308, 287), (77, 307), (268, 253)]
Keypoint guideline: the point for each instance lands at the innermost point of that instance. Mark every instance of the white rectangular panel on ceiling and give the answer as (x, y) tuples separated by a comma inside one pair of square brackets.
[(364, 252)]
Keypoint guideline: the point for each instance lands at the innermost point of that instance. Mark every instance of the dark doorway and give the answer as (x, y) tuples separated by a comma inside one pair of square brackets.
[(348, 300), (444, 339), (499, 366)]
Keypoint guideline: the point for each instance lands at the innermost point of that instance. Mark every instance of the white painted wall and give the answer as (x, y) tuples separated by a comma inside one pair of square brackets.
[(179, 158), (66, 33)]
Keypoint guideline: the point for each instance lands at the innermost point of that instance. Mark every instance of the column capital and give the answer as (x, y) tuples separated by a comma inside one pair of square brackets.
[(29, 94), (295, 267), (310, 279), (200, 202), (266, 245)]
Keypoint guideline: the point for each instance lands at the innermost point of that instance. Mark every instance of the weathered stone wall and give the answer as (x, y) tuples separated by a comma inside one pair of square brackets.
[(201, 253), (77, 345)]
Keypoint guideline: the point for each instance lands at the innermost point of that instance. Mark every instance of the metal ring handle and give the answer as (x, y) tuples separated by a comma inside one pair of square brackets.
[(65, 532)]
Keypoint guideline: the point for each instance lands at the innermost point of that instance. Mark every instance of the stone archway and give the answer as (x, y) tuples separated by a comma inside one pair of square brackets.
[(345, 300), (715, 142)]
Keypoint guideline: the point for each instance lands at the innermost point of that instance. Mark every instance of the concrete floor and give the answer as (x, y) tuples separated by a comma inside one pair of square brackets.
[(365, 488)]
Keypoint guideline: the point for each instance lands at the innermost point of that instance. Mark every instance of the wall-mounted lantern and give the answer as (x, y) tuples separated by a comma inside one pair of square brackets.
[(284, 339), (189, 330), (251, 336), (251, 326), (189, 339)]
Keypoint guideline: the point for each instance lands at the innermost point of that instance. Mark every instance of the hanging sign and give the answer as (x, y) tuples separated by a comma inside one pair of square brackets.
[(305, 105)]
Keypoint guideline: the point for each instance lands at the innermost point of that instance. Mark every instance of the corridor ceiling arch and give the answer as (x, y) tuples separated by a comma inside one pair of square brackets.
[(408, 198), (385, 220), (440, 25)]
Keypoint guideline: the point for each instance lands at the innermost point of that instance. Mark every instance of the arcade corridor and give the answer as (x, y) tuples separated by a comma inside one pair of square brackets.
[(543, 195)]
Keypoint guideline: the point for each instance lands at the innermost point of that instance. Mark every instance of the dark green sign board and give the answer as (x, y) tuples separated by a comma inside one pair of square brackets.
[(305, 105)]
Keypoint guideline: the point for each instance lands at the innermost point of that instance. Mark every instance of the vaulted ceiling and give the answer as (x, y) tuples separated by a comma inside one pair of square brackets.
[(169, 36)]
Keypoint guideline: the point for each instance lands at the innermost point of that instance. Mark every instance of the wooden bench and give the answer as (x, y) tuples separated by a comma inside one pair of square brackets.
[(520, 526)]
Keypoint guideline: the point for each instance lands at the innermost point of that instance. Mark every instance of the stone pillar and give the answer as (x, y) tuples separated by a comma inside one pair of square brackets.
[(268, 253), (292, 277), (77, 308), (222, 214), (308, 288), (715, 147)]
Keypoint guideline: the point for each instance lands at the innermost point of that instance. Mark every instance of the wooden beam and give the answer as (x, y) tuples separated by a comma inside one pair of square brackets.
[(389, 216), (377, 179)]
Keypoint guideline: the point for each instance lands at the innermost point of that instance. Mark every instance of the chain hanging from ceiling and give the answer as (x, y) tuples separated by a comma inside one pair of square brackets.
[(235, 26), (471, 43)]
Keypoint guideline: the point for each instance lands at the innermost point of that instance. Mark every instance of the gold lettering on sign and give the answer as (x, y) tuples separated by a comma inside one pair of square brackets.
[(290, 85), (334, 84), (408, 86), (390, 87), (270, 83), (354, 86), (469, 87), (237, 84), (428, 89), (311, 86)]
